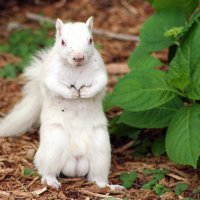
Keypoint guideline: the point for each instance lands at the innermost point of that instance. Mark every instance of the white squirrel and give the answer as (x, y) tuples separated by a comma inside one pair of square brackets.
[(64, 93)]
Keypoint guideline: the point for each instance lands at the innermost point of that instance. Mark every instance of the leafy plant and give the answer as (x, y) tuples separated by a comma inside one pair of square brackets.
[(180, 187), (158, 174), (128, 179), (8, 71), (24, 44), (158, 146), (152, 98), (153, 184)]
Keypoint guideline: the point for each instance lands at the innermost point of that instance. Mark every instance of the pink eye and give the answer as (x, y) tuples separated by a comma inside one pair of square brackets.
[(63, 43), (90, 41)]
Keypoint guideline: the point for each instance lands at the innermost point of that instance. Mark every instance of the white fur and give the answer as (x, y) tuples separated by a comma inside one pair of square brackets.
[(67, 98)]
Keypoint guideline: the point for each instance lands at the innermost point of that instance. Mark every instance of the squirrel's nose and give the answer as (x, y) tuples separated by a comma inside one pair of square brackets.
[(78, 57)]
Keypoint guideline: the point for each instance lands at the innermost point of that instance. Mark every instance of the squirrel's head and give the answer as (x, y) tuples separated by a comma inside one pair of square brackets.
[(74, 41)]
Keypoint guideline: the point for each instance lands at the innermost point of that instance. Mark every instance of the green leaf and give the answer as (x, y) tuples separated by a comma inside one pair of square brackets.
[(4, 48), (98, 46), (193, 90), (158, 177), (152, 33), (159, 189), (141, 147), (8, 71), (29, 172), (194, 19), (180, 188), (187, 6), (174, 32), (107, 102), (158, 146), (128, 179), (141, 58), (159, 117), (142, 90), (47, 25), (149, 185), (182, 139), (179, 72), (121, 130), (185, 67)]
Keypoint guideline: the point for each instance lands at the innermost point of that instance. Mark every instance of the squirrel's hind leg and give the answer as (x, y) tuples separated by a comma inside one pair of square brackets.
[(100, 157), (50, 156)]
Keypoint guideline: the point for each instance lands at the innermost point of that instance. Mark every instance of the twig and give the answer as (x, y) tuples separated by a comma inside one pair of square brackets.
[(123, 148), (32, 182), (118, 36), (128, 7), (176, 171), (15, 25), (179, 178), (101, 32), (94, 194), (60, 4), (39, 18)]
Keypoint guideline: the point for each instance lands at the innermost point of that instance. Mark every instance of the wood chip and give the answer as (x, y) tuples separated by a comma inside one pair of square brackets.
[(19, 193), (179, 178), (94, 194), (61, 195), (32, 182), (39, 191), (117, 68), (4, 194), (123, 148)]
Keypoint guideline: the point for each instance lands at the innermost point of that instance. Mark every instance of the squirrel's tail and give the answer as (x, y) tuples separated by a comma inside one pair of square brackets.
[(26, 113)]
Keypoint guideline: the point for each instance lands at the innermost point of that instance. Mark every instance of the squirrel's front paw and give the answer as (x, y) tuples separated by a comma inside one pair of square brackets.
[(73, 93), (86, 92)]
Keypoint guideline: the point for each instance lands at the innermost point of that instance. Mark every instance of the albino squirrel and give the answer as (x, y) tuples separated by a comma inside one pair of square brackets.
[(64, 94)]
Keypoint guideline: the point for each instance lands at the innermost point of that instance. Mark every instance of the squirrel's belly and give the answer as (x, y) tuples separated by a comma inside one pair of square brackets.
[(75, 166), (80, 147)]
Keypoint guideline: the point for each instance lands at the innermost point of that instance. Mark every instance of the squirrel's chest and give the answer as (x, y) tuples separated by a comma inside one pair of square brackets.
[(77, 76)]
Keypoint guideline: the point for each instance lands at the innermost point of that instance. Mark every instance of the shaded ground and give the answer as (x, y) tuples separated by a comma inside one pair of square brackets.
[(16, 154)]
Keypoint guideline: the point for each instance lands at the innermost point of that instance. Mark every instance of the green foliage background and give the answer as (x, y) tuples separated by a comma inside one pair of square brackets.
[(23, 44), (151, 98)]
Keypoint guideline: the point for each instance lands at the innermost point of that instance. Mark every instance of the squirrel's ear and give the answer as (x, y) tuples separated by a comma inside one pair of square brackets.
[(89, 23), (59, 26)]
